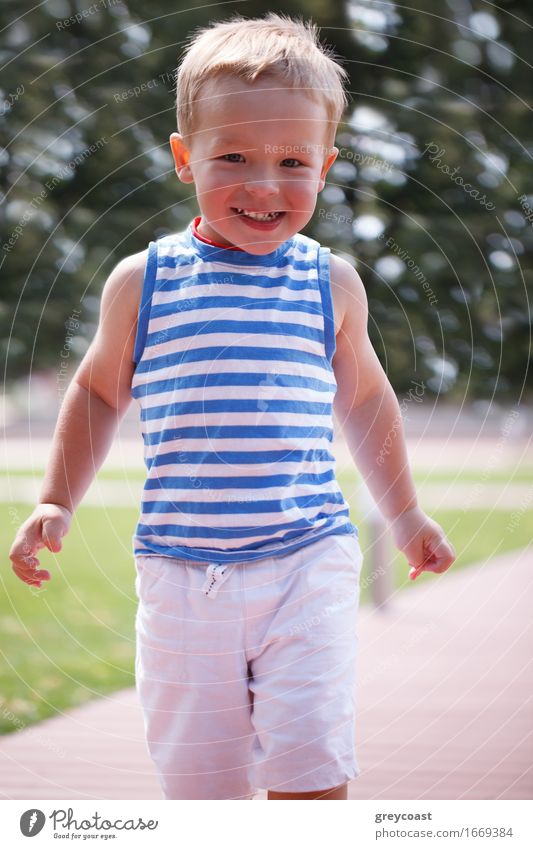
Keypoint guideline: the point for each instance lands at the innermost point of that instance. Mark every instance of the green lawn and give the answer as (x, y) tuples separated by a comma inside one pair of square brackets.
[(73, 640), (520, 474)]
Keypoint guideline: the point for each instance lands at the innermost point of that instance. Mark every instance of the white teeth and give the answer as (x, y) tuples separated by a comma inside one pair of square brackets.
[(259, 216)]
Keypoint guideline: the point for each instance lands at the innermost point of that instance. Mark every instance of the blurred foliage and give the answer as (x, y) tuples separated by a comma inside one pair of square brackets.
[(440, 93)]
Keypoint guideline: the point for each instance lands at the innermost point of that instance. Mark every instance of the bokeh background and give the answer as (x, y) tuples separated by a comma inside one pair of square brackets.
[(430, 199)]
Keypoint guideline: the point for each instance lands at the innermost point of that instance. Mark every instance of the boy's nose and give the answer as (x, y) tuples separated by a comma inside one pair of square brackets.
[(262, 188)]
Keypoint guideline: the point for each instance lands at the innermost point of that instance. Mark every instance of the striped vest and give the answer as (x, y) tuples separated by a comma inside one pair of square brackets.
[(235, 385)]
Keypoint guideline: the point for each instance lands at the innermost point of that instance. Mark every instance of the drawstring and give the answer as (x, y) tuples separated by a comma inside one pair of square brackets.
[(215, 575)]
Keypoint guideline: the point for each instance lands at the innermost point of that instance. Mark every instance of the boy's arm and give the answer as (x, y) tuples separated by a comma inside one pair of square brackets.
[(94, 403), (368, 411)]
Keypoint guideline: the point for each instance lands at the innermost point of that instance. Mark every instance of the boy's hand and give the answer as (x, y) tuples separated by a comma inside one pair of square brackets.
[(43, 529), (423, 542)]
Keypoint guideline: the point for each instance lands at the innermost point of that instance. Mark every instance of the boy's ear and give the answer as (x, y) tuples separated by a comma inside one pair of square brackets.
[(181, 155), (328, 162)]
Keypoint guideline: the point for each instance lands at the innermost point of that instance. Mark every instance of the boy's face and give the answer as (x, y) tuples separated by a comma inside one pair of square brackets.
[(255, 151)]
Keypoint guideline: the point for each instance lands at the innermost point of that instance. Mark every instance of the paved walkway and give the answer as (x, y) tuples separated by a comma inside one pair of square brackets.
[(445, 704)]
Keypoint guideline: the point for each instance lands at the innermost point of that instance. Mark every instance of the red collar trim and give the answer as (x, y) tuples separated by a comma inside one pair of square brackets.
[(195, 225)]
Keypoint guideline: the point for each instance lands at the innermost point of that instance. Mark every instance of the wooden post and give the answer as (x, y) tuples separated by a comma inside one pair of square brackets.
[(378, 556)]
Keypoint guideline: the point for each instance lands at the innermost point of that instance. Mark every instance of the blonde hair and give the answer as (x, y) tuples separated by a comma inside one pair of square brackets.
[(275, 45)]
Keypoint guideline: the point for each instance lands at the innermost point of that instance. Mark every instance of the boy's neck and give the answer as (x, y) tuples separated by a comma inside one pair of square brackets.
[(196, 224)]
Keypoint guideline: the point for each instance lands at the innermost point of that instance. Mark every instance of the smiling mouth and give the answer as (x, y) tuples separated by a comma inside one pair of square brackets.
[(258, 216)]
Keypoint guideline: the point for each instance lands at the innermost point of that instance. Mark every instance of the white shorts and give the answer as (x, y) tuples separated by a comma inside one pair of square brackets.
[(246, 672)]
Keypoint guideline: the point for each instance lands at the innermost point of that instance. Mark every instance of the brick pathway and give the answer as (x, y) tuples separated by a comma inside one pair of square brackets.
[(445, 704)]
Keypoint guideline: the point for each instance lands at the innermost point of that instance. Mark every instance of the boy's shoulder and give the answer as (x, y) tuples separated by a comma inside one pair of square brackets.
[(107, 367), (134, 263), (126, 279), (122, 292), (347, 289), (342, 271)]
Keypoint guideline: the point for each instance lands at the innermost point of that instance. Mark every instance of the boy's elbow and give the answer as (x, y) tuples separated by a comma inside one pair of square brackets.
[(351, 399), (106, 378), (117, 399)]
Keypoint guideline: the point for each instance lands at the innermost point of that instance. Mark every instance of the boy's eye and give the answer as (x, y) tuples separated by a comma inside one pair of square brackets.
[(238, 157)]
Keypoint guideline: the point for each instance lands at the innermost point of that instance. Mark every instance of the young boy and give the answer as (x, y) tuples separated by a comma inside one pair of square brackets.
[(235, 337)]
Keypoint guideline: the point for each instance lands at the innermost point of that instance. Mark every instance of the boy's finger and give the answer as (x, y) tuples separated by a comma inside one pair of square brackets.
[(40, 575), (438, 561), (442, 557), (29, 573), (24, 563), (33, 583), (25, 545)]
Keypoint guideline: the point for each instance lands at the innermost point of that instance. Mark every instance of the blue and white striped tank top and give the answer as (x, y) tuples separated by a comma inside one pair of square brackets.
[(235, 385)]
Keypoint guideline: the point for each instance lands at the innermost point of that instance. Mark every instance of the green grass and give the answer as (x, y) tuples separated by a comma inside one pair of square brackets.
[(125, 474), (73, 640), (477, 535), (521, 474)]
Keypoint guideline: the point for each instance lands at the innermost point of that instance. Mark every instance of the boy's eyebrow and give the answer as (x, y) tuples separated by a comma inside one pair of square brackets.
[(239, 144)]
